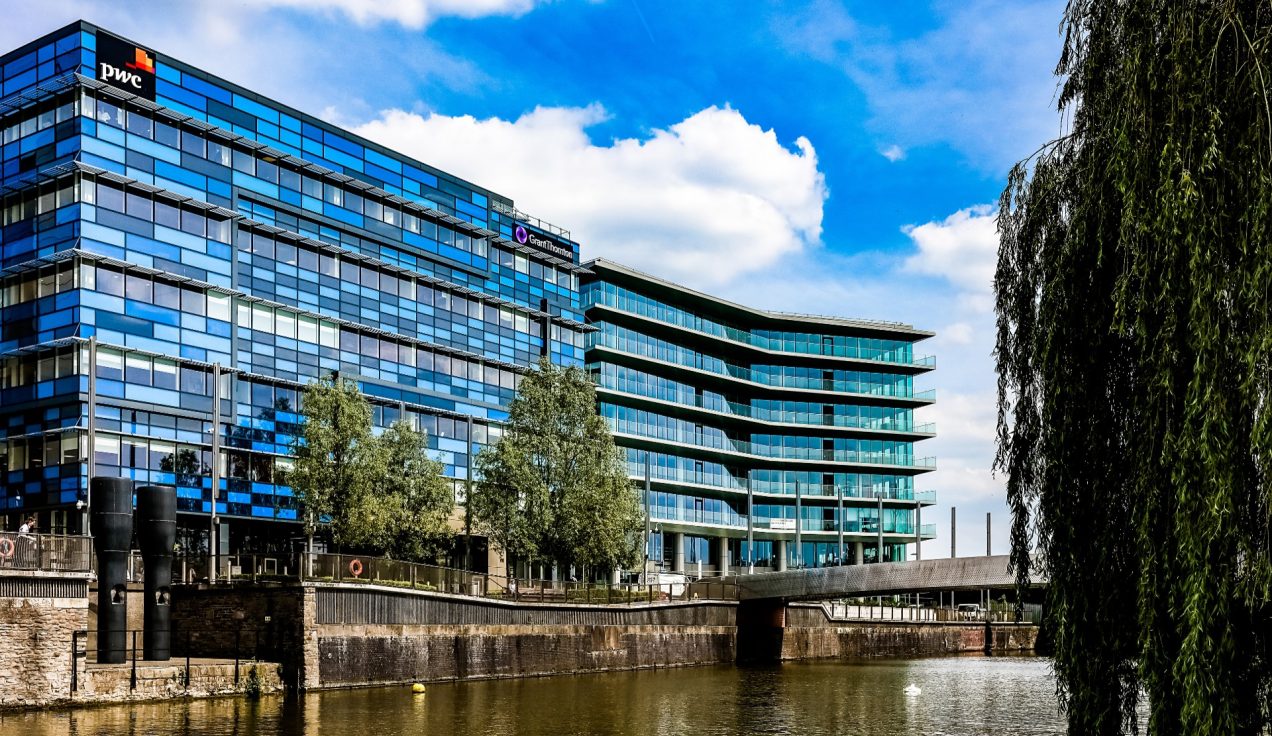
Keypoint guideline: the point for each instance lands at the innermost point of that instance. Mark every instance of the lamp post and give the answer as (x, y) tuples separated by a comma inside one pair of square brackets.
[(215, 471)]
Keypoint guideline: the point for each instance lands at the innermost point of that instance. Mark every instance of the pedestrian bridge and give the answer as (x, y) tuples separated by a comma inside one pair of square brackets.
[(850, 581)]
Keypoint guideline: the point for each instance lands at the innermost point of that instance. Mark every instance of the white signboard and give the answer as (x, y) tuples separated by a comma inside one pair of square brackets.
[(787, 525)]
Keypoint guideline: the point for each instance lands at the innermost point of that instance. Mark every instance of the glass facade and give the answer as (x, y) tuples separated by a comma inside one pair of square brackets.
[(753, 424), (150, 240)]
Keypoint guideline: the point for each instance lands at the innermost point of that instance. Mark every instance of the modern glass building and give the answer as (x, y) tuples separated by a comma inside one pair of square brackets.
[(163, 227), (771, 440)]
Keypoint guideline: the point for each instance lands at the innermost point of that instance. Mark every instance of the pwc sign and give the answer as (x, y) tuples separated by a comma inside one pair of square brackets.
[(123, 65)]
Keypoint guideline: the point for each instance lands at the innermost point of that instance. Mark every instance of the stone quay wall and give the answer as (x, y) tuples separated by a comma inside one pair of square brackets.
[(39, 615), (346, 635), (810, 634), (113, 683)]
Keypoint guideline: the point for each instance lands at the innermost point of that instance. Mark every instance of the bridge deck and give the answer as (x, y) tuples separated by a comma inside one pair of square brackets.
[(960, 573)]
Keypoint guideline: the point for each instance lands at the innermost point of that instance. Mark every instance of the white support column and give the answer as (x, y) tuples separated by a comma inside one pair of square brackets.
[(678, 562), (779, 551), (859, 552), (724, 556)]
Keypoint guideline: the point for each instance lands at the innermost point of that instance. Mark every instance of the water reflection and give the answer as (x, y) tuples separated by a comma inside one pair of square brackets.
[(960, 696)]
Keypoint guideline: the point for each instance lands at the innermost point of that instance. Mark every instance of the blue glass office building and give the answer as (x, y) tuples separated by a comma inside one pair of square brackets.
[(162, 225), (772, 439)]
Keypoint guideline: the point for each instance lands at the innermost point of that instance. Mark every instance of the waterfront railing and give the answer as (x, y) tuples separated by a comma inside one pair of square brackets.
[(324, 567), (45, 552)]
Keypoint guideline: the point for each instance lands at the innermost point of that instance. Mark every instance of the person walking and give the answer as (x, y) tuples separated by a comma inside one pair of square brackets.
[(28, 552)]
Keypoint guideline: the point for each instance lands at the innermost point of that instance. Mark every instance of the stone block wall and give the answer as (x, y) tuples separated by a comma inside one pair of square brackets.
[(38, 618), (113, 683), (358, 655), (809, 634)]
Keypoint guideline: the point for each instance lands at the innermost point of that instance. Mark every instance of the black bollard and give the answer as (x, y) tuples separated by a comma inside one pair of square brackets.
[(111, 520), (156, 533)]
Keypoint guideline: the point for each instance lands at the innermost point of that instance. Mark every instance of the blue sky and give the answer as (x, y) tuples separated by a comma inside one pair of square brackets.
[(835, 158)]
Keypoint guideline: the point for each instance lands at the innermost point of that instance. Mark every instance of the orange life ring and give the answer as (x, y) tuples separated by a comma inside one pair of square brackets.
[(6, 548), (355, 567)]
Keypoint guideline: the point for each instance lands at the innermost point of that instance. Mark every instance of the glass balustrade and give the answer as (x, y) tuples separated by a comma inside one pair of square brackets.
[(646, 347), (637, 384), (898, 352)]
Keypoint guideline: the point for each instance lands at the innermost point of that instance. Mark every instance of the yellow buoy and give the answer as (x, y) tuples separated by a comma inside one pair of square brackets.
[(417, 688)]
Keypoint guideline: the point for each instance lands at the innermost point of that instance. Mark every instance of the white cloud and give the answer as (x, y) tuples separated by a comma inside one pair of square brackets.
[(409, 13), (962, 248), (704, 200), (979, 80), (893, 153)]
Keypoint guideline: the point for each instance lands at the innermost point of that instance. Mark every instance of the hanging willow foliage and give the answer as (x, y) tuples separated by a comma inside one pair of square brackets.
[(1134, 300)]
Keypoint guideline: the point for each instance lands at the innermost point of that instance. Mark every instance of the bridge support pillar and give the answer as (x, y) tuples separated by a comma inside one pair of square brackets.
[(859, 552), (761, 628), (724, 556), (779, 551)]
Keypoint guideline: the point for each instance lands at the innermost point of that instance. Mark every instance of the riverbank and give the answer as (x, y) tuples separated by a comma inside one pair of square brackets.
[(317, 636)]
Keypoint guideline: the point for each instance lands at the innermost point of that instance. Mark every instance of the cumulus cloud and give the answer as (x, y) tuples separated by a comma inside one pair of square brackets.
[(409, 13), (704, 200), (962, 248)]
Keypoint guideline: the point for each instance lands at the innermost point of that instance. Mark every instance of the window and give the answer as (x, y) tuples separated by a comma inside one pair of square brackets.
[(167, 215), (110, 197)]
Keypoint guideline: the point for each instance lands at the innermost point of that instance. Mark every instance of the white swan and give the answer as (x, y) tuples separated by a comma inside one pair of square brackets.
[(912, 689)]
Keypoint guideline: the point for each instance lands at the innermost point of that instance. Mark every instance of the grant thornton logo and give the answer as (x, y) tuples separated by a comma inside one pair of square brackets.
[(521, 234)]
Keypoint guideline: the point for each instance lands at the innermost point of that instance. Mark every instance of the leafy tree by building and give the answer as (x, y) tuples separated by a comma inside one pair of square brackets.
[(412, 502), (1134, 300), (555, 487), (383, 494)]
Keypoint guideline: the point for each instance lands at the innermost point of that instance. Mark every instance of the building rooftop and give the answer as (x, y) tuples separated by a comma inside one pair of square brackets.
[(778, 319)]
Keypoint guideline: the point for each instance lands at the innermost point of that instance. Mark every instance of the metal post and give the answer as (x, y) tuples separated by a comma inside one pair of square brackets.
[(468, 495), (216, 470), (839, 492), (953, 531), (132, 682), (799, 524), (918, 530), (750, 529), (879, 549), (92, 429), (648, 541), (988, 539)]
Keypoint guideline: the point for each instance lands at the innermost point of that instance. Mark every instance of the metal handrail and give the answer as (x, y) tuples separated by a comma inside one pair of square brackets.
[(45, 552)]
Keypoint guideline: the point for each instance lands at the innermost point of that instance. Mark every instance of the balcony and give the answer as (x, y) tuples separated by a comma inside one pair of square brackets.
[(627, 304), (732, 410), (687, 359)]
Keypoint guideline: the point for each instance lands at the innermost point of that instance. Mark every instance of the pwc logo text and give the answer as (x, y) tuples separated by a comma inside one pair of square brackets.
[(123, 65), (131, 74)]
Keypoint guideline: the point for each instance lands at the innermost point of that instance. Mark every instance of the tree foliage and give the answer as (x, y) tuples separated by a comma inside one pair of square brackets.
[(412, 500), (1134, 295), (556, 486), (385, 494)]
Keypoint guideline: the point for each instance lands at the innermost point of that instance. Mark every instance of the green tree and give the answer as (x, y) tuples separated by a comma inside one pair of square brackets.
[(1134, 295), (337, 461), (408, 513), (556, 486)]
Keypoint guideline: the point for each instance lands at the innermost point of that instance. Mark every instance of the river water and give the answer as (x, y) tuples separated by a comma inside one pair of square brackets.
[(963, 695)]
